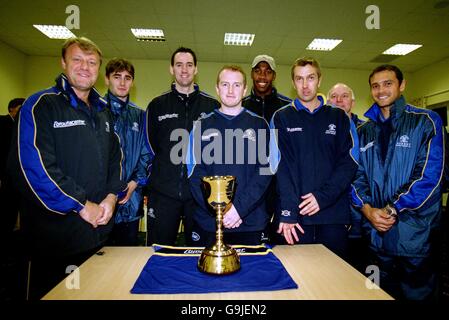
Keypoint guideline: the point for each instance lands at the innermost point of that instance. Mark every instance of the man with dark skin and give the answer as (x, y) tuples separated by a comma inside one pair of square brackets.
[(264, 100)]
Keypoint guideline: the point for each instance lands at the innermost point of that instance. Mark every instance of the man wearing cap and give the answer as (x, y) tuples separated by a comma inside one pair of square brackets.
[(264, 99)]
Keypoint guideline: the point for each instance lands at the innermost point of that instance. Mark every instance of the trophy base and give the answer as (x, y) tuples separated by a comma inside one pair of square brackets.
[(214, 260)]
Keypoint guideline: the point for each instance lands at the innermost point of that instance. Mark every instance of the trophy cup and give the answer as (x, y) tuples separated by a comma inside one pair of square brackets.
[(219, 258)]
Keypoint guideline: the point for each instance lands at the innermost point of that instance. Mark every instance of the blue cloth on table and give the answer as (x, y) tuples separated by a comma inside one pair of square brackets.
[(174, 270)]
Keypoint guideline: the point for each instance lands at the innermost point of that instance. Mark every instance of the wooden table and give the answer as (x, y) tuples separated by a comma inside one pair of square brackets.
[(319, 273)]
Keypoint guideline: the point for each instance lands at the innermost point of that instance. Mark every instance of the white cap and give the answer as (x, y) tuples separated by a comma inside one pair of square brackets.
[(265, 58)]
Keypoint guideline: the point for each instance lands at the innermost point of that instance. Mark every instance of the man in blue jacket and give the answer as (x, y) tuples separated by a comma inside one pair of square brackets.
[(66, 166), (398, 185), (129, 124), (316, 162), (231, 141)]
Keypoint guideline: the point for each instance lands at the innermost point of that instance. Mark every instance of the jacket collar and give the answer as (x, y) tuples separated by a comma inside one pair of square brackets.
[(184, 96), (269, 97), (396, 111), (355, 118), (63, 85), (116, 104), (299, 106)]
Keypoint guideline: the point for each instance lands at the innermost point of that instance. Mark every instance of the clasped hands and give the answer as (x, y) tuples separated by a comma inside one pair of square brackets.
[(231, 218), (379, 217), (99, 214)]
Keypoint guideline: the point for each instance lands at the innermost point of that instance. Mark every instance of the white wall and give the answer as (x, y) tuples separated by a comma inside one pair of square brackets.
[(12, 67)]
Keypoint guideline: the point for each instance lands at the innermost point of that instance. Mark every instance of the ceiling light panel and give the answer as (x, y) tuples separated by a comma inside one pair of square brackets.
[(323, 44), (148, 34), (401, 49), (54, 32), (239, 39)]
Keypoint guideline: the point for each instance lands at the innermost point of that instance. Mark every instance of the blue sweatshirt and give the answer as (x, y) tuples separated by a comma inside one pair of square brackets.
[(231, 145), (315, 152)]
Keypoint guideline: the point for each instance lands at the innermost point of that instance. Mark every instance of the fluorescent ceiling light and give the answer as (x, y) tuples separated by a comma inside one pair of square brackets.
[(54, 32), (323, 44), (239, 39), (148, 34), (402, 49)]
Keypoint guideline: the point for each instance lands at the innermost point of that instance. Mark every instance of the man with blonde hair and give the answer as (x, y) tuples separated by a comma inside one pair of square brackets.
[(66, 164), (247, 218)]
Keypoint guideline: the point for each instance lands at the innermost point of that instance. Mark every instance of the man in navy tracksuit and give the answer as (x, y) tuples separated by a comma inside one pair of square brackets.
[(169, 116), (398, 186), (315, 163), (231, 141), (66, 165), (129, 124)]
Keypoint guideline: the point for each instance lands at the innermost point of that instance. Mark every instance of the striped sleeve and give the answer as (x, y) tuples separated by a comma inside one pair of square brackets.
[(56, 192), (428, 171)]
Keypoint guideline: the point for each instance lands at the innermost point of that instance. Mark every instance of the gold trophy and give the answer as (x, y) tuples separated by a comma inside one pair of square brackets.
[(219, 258)]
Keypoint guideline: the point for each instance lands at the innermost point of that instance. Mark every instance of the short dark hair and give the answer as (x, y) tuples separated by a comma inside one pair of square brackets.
[(119, 65), (183, 49), (387, 67), (14, 103), (233, 68), (84, 44), (302, 62)]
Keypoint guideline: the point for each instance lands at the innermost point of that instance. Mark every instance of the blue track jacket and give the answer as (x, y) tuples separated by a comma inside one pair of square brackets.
[(129, 124), (409, 179), (66, 153)]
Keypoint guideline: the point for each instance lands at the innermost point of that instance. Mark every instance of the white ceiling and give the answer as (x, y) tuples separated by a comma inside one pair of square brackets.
[(283, 28)]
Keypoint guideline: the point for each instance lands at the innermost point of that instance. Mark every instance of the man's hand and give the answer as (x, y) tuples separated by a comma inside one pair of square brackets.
[(288, 229), (91, 212), (309, 206), (379, 218), (132, 185), (108, 205), (232, 218)]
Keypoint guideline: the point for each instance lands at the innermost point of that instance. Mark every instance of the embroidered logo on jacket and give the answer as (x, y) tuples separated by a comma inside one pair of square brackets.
[(286, 213), (404, 142), (71, 123), (367, 146), (107, 127), (332, 129), (167, 116), (195, 236), (202, 116), (135, 127), (294, 129)]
